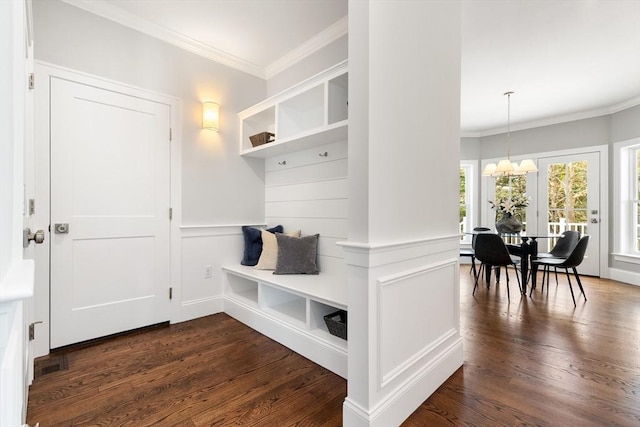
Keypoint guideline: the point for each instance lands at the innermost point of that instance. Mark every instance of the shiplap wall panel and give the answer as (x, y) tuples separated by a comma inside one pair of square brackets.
[(289, 174), (334, 151), (319, 190), (334, 208), (326, 227), (308, 191)]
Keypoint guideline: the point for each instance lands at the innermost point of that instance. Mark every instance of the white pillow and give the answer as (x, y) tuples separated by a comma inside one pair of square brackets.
[(269, 256)]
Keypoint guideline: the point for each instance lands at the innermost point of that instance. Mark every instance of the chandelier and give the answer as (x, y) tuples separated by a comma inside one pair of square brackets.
[(505, 167)]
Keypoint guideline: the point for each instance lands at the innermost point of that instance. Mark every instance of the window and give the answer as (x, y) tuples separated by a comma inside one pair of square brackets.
[(466, 201), (627, 198), (636, 198)]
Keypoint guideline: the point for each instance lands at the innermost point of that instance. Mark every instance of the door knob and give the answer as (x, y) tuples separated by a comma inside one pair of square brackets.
[(28, 236)]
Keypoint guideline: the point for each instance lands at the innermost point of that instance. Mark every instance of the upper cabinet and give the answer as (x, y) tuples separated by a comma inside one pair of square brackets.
[(312, 113)]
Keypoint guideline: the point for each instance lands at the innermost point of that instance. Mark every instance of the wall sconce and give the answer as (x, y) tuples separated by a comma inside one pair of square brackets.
[(210, 115)]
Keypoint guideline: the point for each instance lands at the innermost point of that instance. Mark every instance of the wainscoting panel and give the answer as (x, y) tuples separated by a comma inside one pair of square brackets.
[(205, 248), (416, 302)]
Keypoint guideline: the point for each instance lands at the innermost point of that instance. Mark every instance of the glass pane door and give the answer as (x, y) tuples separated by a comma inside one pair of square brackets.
[(569, 199)]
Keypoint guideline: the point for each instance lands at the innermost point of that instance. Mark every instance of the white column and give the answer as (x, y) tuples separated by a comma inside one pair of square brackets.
[(402, 253)]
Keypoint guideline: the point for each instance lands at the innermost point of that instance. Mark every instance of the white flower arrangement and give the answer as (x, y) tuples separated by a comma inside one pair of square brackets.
[(511, 205)]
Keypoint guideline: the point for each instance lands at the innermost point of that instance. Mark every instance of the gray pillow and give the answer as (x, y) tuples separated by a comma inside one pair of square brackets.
[(297, 255)]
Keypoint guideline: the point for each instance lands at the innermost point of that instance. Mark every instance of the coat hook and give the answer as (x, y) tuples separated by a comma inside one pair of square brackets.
[(284, 162), (325, 154)]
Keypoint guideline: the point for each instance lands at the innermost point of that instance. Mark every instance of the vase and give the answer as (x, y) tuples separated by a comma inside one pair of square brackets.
[(508, 224)]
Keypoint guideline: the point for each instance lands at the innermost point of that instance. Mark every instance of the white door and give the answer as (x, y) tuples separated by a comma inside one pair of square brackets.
[(110, 185), (569, 199)]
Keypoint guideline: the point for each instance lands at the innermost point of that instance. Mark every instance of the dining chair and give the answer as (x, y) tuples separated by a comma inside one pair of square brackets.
[(574, 259), (563, 247), (470, 252), (491, 251)]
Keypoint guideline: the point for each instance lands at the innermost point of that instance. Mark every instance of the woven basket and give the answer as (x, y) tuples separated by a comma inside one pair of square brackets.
[(337, 323), (262, 138)]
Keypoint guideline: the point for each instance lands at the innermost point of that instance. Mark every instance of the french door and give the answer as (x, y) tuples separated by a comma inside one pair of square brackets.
[(569, 199)]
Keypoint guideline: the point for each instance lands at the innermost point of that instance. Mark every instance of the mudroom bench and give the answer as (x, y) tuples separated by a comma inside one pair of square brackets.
[(290, 309)]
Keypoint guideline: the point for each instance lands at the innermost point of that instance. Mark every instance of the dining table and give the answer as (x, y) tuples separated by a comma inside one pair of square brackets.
[(527, 249)]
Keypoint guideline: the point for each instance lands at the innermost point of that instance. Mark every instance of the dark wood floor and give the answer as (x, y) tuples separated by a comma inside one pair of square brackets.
[(535, 361)]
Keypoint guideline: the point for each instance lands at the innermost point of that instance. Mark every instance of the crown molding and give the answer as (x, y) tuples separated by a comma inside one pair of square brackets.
[(104, 9), (113, 13), (589, 114), (317, 42)]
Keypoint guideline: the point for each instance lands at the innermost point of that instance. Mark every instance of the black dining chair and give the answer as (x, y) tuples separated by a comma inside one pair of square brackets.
[(470, 252), (491, 251), (563, 247), (574, 259)]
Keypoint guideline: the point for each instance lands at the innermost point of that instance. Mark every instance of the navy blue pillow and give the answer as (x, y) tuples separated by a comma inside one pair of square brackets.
[(253, 243)]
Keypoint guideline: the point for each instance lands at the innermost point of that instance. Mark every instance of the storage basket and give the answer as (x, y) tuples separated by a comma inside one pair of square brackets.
[(337, 323), (262, 138)]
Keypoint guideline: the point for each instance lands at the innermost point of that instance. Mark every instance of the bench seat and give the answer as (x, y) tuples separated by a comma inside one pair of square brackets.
[(290, 309)]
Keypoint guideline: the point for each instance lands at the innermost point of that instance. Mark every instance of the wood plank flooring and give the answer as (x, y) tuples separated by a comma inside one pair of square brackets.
[(535, 361)]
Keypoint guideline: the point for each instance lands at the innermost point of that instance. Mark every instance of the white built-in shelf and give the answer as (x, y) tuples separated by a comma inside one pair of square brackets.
[(298, 300), (290, 309), (312, 113)]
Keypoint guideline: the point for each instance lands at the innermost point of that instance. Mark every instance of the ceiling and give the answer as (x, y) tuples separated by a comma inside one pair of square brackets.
[(563, 59)]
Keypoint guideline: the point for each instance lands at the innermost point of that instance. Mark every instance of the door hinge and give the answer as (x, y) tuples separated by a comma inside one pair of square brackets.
[(170, 293), (170, 134), (170, 214), (32, 81)]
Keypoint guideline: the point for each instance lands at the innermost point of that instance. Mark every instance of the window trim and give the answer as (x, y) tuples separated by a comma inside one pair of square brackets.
[(624, 163), (471, 190)]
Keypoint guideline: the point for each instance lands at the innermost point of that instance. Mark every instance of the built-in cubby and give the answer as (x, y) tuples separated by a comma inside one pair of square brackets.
[(263, 121), (291, 310), (312, 113), (243, 288), (338, 99), (301, 113), (287, 306)]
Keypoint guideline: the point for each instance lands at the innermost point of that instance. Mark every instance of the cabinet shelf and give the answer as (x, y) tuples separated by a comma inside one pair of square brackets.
[(312, 113), (309, 139)]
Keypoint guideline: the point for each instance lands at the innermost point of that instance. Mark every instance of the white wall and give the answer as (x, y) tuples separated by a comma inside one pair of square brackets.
[(311, 65), (575, 134)]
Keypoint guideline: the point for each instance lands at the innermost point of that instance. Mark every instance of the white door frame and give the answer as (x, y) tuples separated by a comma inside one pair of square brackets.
[(43, 73), (487, 193)]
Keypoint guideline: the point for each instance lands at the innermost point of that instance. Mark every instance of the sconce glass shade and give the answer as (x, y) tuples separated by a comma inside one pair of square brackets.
[(210, 115)]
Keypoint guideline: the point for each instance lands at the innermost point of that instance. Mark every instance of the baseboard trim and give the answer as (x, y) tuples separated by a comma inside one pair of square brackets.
[(624, 276), (194, 309), (398, 406)]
